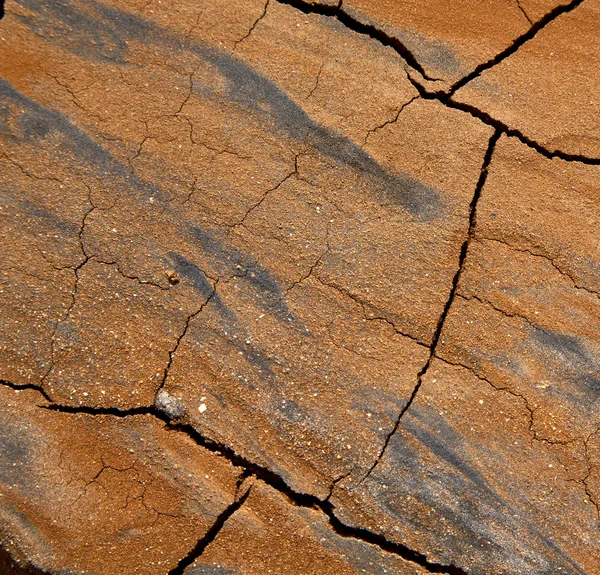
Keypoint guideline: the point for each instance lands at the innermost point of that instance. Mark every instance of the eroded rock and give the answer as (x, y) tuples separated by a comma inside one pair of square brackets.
[(264, 536), (274, 302), (547, 89), (101, 493)]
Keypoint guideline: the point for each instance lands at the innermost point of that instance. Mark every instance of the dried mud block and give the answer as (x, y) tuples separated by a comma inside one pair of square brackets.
[(112, 348), (243, 219), (297, 349), (537, 349), (101, 494), (308, 389), (544, 207), (532, 274), (499, 448), (246, 183), (268, 534), (547, 90), (450, 39), (40, 220), (320, 64), (464, 480)]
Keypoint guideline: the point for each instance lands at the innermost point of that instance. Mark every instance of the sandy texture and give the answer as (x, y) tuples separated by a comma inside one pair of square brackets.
[(299, 287)]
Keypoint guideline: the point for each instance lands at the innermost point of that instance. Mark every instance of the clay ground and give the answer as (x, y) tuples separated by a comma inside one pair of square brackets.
[(302, 287)]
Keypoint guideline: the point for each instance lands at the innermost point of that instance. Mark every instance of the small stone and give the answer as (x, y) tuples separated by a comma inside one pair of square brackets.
[(172, 277), (202, 408), (171, 406)]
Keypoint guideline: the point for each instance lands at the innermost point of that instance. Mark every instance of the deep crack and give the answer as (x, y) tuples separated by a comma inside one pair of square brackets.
[(445, 98), (500, 126), (89, 410), (210, 535), (352, 23), (440, 325), (22, 386), (251, 469), (524, 38)]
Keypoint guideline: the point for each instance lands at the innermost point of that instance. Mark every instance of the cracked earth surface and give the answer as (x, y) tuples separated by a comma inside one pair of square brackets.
[(299, 286)]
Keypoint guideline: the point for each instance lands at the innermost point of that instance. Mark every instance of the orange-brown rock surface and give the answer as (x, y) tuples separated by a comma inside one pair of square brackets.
[(299, 287)]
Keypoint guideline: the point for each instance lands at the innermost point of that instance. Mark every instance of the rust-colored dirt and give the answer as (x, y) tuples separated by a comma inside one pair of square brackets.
[(300, 287)]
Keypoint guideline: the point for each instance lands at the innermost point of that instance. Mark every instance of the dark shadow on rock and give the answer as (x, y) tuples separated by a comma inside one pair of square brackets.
[(103, 33), (570, 360), (432, 463), (9, 567)]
